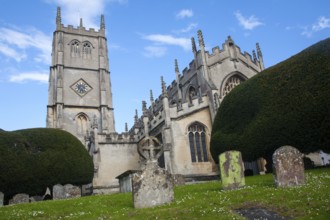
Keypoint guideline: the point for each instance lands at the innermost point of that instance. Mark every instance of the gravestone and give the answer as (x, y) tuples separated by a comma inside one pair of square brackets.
[(288, 167), (87, 189), (231, 170), (72, 191), (36, 199), (262, 165), (58, 192), (1, 199), (19, 199), (154, 185)]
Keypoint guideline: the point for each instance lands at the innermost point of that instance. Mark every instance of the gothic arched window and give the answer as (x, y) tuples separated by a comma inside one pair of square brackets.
[(82, 124), (197, 142), (87, 49), (231, 83), (75, 48)]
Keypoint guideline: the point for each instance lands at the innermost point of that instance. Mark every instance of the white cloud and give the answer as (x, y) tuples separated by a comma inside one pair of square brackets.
[(14, 44), (185, 13), (169, 40), (188, 28), (248, 23), (11, 53), (321, 24), (154, 51), (29, 76)]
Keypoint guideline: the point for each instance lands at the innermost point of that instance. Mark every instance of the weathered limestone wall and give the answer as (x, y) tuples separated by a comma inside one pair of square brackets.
[(115, 159), (181, 156)]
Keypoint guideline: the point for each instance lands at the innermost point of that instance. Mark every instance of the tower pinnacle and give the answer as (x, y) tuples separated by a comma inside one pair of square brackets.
[(58, 16), (200, 39), (151, 97), (102, 25), (193, 45), (163, 85)]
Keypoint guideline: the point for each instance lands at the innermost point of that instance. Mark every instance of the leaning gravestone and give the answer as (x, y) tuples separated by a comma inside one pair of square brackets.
[(1, 199), (288, 167), (231, 170), (19, 198), (154, 185), (58, 192)]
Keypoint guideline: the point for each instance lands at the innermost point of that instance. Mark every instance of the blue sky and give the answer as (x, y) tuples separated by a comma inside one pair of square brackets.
[(144, 38)]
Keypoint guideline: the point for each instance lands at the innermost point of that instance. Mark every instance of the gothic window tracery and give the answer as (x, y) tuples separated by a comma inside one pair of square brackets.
[(231, 83), (197, 143), (75, 48), (87, 49)]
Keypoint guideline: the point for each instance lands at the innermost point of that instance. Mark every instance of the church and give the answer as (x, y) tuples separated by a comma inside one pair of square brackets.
[(80, 102)]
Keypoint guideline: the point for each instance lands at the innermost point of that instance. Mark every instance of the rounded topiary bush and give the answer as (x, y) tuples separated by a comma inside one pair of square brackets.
[(34, 159), (287, 104)]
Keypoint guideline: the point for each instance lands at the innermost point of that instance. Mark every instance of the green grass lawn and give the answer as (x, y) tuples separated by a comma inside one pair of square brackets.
[(198, 201)]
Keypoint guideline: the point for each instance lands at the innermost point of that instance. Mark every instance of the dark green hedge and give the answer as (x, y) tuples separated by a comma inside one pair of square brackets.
[(287, 104), (33, 159)]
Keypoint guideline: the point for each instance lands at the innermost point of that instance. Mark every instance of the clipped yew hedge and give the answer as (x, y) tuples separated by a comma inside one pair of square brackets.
[(33, 159), (287, 104)]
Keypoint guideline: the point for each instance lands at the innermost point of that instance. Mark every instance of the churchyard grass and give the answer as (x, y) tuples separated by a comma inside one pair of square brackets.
[(196, 201)]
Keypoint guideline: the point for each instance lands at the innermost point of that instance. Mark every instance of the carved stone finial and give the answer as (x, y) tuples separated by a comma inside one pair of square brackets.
[(126, 127), (58, 16), (136, 117), (200, 39), (176, 66), (254, 55), (163, 85), (230, 41), (81, 23), (144, 107), (258, 50), (102, 25), (193, 45), (151, 97)]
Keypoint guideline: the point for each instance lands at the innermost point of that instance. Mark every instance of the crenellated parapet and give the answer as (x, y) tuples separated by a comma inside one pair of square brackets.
[(207, 79), (81, 30), (117, 138)]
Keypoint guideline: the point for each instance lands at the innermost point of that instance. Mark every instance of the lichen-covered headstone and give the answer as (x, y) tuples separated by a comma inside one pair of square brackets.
[(72, 191), (288, 167), (231, 170), (154, 185)]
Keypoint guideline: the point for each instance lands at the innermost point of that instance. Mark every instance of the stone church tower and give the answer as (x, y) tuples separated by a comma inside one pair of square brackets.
[(80, 95), (80, 101)]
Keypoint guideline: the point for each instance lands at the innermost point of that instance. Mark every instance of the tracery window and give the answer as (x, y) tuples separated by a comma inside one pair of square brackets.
[(75, 48), (197, 143), (87, 49), (231, 83)]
